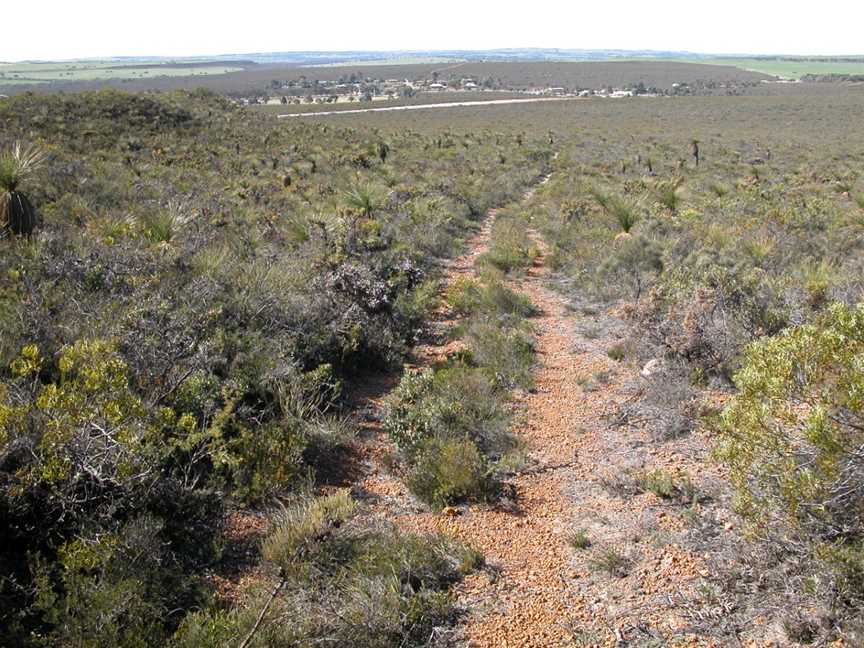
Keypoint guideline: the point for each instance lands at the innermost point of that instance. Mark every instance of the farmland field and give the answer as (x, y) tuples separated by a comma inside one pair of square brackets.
[(788, 68), (37, 73), (585, 372)]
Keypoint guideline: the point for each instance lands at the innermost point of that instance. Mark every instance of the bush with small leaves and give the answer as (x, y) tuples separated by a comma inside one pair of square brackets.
[(451, 471), (793, 436)]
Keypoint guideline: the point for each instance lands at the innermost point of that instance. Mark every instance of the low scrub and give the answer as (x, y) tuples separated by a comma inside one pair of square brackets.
[(340, 581), (506, 355), (490, 298), (450, 403), (511, 248), (451, 471), (792, 437)]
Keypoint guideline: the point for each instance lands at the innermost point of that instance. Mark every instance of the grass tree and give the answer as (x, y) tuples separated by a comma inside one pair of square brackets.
[(624, 213), (363, 200), (383, 151), (669, 193), (17, 213)]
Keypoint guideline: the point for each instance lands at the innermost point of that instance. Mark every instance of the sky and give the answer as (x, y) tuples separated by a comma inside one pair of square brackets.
[(62, 29)]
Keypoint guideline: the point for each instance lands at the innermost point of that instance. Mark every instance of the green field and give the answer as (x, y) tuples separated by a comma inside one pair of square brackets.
[(34, 73), (789, 68)]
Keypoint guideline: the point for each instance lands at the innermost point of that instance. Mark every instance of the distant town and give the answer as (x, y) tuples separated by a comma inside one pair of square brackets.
[(355, 88)]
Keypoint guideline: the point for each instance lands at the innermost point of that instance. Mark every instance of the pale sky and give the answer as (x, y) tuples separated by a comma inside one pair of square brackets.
[(58, 29)]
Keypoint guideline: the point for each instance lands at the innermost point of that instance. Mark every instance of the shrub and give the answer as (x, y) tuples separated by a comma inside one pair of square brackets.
[(451, 471), (490, 298), (83, 466), (511, 247), (451, 403), (300, 532), (506, 354), (91, 426), (409, 420), (792, 438), (342, 581), (633, 263), (666, 485), (617, 351)]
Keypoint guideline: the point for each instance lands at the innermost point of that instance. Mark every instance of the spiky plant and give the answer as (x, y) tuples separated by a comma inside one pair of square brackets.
[(17, 213), (363, 200), (669, 193), (615, 206)]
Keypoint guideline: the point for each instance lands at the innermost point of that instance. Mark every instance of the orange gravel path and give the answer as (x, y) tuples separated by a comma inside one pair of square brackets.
[(538, 590)]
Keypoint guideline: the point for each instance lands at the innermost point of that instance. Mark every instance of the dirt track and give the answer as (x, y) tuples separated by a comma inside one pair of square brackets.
[(540, 591), (451, 104)]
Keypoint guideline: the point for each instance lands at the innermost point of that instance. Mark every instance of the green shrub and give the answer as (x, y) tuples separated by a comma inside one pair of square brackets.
[(792, 438), (451, 403), (490, 298), (511, 247), (300, 531), (451, 471), (666, 485), (579, 539), (410, 418), (634, 262), (342, 581), (506, 354), (617, 352)]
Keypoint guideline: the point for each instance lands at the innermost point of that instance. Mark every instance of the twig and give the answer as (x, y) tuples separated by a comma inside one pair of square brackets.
[(262, 614)]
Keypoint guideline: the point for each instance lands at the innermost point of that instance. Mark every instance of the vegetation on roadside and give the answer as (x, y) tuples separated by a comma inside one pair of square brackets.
[(793, 437), (340, 581), (176, 337), (451, 422), (739, 271)]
